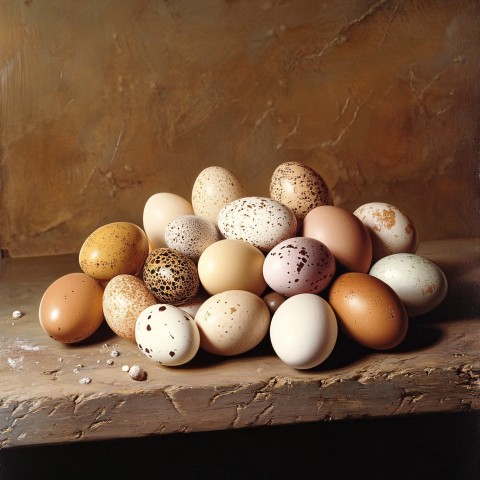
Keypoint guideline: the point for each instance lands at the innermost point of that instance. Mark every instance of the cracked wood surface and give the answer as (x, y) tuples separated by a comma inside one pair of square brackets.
[(436, 369)]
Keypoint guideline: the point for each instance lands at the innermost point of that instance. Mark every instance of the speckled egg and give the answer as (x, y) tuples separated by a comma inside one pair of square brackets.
[(261, 221), (214, 188), (124, 298), (232, 322), (171, 276), (114, 249), (390, 229), (299, 265), (420, 283), (191, 235), (167, 335), (300, 188)]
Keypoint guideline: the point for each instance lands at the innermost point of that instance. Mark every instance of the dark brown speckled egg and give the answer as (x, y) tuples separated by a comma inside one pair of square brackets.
[(171, 276)]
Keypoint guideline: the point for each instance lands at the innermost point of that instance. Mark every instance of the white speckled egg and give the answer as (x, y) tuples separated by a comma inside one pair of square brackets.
[(232, 322), (304, 331), (300, 188), (167, 335), (391, 230), (124, 298), (191, 235), (299, 265), (420, 284), (261, 221), (214, 188)]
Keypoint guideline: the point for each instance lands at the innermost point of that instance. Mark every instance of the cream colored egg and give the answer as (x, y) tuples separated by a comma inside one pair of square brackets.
[(214, 188), (160, 209), (232, 322), (125, 297), (114, 249)]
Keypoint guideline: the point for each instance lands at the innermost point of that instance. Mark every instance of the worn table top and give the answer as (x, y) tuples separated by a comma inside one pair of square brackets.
[(436, 369)]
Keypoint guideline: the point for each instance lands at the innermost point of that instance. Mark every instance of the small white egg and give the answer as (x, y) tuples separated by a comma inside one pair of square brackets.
[(420, 283)]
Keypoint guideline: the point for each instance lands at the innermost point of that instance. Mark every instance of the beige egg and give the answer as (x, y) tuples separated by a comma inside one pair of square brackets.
[(114, 249), (232, 322), (214, 188), (125, 297), (159, 210), (300, 188), (171, 276)]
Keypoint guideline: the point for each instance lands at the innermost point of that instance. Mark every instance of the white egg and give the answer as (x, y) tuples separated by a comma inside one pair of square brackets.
[(191, 235), (420, 283), (391, 230), (167, 335), (303, 331), (261, 221)]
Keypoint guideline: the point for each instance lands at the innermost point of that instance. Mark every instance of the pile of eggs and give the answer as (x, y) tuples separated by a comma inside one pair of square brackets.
[(222, 271)]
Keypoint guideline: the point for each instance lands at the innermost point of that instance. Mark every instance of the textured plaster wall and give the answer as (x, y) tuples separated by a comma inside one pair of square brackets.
[(103, 103)]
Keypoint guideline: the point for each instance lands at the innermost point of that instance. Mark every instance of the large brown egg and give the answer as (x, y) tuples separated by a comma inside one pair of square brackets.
[(368, 310), (344, 234), (71, 308)]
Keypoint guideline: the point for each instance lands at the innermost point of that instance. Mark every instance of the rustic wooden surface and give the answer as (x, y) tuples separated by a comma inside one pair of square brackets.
[(436, 369)]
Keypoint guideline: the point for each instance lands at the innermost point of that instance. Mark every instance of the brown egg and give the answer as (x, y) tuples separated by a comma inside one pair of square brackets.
[(300, 188), (343, 233), (124, 299), (368, 310), (71, 308), (114, 249), (171, 276)]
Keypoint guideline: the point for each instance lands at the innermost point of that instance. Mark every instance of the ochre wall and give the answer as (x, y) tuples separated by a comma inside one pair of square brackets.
[(104, 103)]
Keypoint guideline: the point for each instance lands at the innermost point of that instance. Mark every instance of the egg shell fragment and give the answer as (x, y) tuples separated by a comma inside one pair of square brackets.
[(232, 322), (390, 229), (124, 298), (257, 220), (167, 335), (171, 276), (420, 283), (71, 308), (368, 310), (114, 249), (299, 187), (303, 331), (159, 210), (299, 265), (191, 235), (214, 188), (232, 265)]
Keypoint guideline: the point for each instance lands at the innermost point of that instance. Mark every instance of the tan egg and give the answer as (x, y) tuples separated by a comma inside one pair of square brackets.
[(171, 276), (114, 249), (125, 297), (300, 188), (368, 310), (232, 322), (214, 188), (344, 235), (159, 210), (71, 308), (232, 265)]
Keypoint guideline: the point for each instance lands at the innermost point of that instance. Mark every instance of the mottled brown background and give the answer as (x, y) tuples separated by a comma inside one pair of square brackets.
[(104, 103)]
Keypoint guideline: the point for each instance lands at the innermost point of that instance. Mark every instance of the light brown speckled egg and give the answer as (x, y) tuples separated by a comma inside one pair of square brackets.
[(124, 298), (114, 249), (300, 188), (213, 189), (171, 276)]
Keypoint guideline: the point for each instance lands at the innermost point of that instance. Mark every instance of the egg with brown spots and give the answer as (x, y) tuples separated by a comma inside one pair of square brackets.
[(300, 188), (114, 249), (368, 310), (171, 276), (124, 298), (391, 230)]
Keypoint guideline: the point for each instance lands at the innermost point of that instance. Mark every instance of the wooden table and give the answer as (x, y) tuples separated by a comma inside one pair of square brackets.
[(436, 369)]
